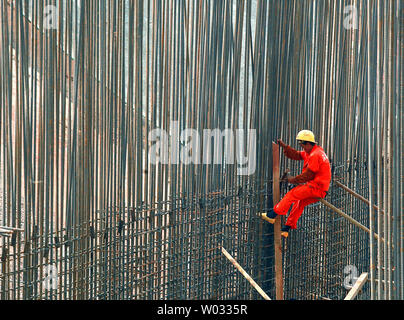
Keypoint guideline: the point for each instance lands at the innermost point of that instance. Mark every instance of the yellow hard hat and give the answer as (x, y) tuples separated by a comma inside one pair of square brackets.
[(306, 135)]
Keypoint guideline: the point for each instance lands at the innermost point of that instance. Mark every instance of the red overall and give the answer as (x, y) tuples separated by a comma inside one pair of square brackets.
[(310, 192)]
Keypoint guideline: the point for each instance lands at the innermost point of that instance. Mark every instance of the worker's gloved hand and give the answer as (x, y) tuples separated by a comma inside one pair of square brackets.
[(281, 143), (290, 179), (286, 178)]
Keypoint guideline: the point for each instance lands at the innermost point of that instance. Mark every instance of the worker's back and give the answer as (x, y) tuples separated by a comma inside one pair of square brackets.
[(317, 161)]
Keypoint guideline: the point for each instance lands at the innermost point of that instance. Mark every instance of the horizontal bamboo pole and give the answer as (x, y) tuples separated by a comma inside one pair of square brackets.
[(350, 219), (245, 274), (339, 184), (11, 228)]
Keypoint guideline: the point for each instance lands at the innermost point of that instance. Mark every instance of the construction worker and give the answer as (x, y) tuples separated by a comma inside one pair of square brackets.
[(312, 183)]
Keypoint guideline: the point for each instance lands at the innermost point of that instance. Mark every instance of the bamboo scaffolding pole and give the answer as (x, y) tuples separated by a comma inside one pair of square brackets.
[(245, 274), (339, 184), (350, 219), (277, 224)]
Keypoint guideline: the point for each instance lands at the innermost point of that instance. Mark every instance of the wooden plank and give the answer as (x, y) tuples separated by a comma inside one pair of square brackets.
[(245, 274), (277, 225), (357, 286)]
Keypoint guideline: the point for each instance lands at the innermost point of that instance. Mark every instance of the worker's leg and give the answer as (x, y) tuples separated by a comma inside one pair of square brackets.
[(297, 211), (294, 195), (300, 196)]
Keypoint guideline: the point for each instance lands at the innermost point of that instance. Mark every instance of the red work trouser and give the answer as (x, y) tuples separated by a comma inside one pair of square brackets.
[(300, 197)]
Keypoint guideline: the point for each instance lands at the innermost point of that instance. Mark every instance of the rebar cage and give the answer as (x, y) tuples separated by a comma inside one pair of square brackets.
[(84, 84)]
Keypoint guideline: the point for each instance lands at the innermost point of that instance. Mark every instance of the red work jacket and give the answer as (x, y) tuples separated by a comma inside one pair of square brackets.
[(317, 161)]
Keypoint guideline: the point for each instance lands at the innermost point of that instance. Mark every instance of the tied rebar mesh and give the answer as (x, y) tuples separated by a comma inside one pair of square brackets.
[(332, 253), (86, 214)]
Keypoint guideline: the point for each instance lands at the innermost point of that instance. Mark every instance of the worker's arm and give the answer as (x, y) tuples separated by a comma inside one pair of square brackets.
[(306, 176), (309, 173), (289, 151)]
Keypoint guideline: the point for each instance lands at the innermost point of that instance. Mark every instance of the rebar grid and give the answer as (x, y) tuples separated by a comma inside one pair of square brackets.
[(80, 97), (331, 251), (139, 258)]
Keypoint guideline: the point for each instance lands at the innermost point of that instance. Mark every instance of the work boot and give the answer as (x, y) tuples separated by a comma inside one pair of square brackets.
[(269, 216), (285, 231)]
